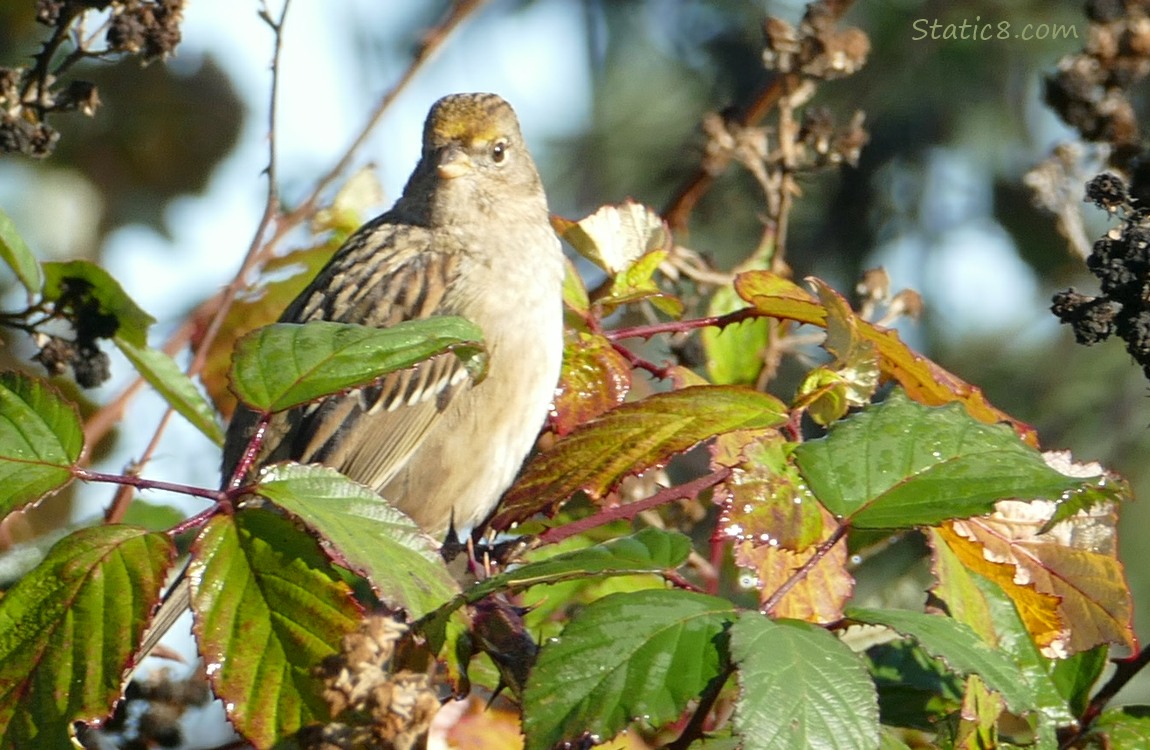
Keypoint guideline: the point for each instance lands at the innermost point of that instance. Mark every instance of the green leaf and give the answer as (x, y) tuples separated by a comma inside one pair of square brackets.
[(1076, 675), (81, 282), (19, 257), (163, 374), (371, 536), (1125, 728), (900, 464), (40, 440), (269, 608), (627, 657), (648, 551), (287, 364), (962, 650), (800, 687), (1016, 642), (69, 629), (631, 439), (734, 353)]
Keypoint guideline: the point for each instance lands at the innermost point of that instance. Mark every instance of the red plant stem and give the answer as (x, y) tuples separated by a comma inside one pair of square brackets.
[(193, 522), (681, 326), (820, 552), (638, 363), (1123, 673), (630, 510), (86, 475), (248, 460)]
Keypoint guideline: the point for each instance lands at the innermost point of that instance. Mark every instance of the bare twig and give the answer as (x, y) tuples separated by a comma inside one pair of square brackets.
[(86, 475), (1125, 671)]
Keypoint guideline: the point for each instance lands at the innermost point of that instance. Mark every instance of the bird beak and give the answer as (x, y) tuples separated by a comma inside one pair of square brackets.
[(454, 162)]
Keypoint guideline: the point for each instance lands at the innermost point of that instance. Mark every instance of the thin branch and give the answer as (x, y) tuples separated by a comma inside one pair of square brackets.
[(271, 204), (251, 451), (432, 41), (696, 726), (86, 475), (681, 326), (630, 510), (1124, 671), (678, 212)]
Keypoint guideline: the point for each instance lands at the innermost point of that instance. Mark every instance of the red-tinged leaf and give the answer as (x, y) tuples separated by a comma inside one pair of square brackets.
[(595, 379), (629, 440), (924, 380), (369, 536), (1075, 562), (821, 593), (258, 307), (765, 501), (574, 291), (69, 630), (269, 608), (40, 440), (776, 524)]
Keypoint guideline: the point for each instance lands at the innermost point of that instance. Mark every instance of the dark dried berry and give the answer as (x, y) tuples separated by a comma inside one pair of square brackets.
[(56, 354), (91, 367), (1092, 318), (1106, 191), (1105, 11), (1134, 328)]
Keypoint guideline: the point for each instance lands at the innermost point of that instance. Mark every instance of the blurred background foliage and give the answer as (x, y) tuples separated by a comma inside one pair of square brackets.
[(938, 196)]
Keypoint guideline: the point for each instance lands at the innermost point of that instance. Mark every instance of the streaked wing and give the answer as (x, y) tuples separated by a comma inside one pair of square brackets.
[(370, 434), (380, 277)]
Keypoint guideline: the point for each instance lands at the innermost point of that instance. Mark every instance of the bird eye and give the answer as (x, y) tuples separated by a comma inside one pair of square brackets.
[(499, 152)]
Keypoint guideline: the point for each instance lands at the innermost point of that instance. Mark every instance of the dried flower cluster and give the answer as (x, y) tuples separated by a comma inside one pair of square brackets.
[(374, 708), (816, 51), (1121, 262), (30, 94), (818, 48), (1089, 91)]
